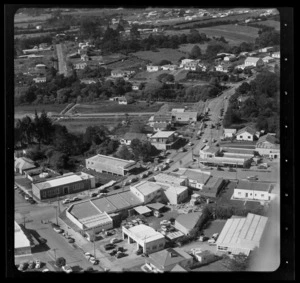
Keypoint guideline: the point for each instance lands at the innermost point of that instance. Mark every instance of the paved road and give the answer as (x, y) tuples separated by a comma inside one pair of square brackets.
[(62, 66)]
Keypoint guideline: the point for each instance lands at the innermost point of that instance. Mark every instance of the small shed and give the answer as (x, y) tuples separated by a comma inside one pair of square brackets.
[(156, 206), (143, 210)]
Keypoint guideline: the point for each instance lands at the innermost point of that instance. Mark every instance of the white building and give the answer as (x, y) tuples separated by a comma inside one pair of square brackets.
[(253, 61), (242, 234), (39, 80), (247, 190), (185, 117), (147, 191), (276, 55), (268, 59), (229, 57), (229, 133), (169, 67), (145, 237), (128, 137), (163, 140), (151, 68), (122, 100), (267, 146), (266, 49), (246, 134), (22, 243)]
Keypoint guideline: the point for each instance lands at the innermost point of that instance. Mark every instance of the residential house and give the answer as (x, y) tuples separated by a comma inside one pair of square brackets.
[(187, 222), (80, 65), (186, 117), (169, 67), (240, 240), (128, 137), (136, 85), (84, 57), (267, 146), (152, 68), (265, 49), (229, 57), (167, 260), (22, 164), (122, 100), (253, 61), (222, 68), (276, 55), (163, 140), (160, 126), (248, 190), (246, 134), (189, 64), (268, 59), (229, 133), (39, 80)]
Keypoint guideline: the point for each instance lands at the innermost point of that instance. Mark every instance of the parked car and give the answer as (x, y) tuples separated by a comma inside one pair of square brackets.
[(31, 264), (38, 264), (23, 266), (67, 269), (252, 178), (87, 255), (93, 260), (205, 140), (190, 144), (102, 195), (27, 197), (139, 251), (67, 200), (71, 240), (76, 199), (119, 255), (164, 228), (42, 240), (113, 252), (58, 230), (46, 270), (211, 242), (145, 255), (94, 195), (157, 214), (115, 240), (120, 249), (215, 236), (16, 187), (109, 247), (32, 201)]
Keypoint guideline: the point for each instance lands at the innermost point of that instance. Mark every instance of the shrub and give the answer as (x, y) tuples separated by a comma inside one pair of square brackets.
[(60, 262)]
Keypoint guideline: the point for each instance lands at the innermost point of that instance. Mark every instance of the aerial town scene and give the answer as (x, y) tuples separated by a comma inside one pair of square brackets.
[(146, 139)]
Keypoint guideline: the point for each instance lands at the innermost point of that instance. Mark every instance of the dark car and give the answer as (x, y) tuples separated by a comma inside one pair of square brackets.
[(32, 201), (139, 252), (71, 240), (42, 240), (112, 253), (120, 249), (231, 170), (145, 255), (94, 194), (109, 247), (120, 254)]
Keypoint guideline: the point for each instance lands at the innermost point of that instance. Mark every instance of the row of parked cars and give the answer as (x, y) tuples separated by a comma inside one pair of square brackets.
[(67, 200), (32, 264), (116, 251), (57, 229), (91, 258), (26, 196)]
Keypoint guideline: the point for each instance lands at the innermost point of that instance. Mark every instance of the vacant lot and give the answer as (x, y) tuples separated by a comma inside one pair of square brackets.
[(234, 34), (172, 55), (270, 23), (114, 107), (30, 109), (131, 62)]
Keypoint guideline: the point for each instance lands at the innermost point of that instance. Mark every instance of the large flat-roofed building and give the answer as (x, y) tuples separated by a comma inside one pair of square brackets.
[(116, 206), (145, 237), (242, 235), (147, 191), (174, 194), (163, 140), (212, 187), (22, 244), (247, 190), (63, 185), (110, 165), (167, 178)]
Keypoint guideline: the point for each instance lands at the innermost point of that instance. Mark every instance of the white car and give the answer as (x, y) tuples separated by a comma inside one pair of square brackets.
[(37, 264), (102, 195), (115, 240), (164, 228), (88, 255), (46, 270), (75, 199), (67, 269), (93, 261), (205, 140), (67, 200), (58, 230)]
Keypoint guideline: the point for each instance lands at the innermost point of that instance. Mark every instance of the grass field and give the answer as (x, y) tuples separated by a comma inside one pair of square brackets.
[(30, 109), (112, 106), (22, 18), (172, 55), (131, 62), (186, 48), (235, 34), (269, 23)]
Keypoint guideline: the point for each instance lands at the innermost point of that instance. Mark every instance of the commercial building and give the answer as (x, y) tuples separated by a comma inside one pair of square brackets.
[(213, 187), (242, 235), (187, 222), (246, 134), (267, 146), (23, 244), (174, 194), (185, 117), (110, 165), (63, 185), (247, 190), (168, 259), (128, 137), (22, 164), (117, 206), (145, 237), (163, 140), (170, 179)]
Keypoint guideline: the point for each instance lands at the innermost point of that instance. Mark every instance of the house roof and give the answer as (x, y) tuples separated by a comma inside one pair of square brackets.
[(21, 239), (158, 117), (142, 209), (243, 233), (267, 58), (212, 186), (24, 163), (161, 125), (132, 136), (147, 187), (268, 138), (189, 220), (189, 115), (95, 220), (255, 186), (178, 268), (165, 258), (252, 59), (246, 129), (156, 206), (227, 131), (117, 162), (163, 134), (196, 175), (166, 178)]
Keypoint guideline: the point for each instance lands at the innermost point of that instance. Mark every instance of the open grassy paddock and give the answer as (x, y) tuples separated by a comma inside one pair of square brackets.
[(30, 109), (235, 34), (270, 23), (114, 107), (186, 48), (172, 55)]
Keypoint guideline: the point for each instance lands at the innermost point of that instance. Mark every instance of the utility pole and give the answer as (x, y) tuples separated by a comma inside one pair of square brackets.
[(54, 250), (94, 242), (24, 218), (236, 172)]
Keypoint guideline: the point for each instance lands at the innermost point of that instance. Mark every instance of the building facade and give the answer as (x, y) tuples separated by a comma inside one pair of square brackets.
[(246, 134), (267, 146), (163, 140)]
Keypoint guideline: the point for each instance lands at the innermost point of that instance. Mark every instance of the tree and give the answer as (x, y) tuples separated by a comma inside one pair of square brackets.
[(137, 127), (164, 62), (238, 262), (134, 32), (195, 52), (124, 153), (60, 262)]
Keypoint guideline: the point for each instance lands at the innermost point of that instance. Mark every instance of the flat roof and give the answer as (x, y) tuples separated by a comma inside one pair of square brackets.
[(244, 233), (156, 205), (58, 181), (196, 175), (174, 235), (163, 134), (188, 114), (142, 209), (255, 186), (104, 159), (239, 151), (163, 177), (222, 160), (21, 239), (147, 187), (145, 233)]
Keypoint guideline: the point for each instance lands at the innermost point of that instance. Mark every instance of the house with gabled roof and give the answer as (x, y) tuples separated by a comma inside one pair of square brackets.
[(246, 134), (267, 146), (167, 259), (253, 61), (22, 164)]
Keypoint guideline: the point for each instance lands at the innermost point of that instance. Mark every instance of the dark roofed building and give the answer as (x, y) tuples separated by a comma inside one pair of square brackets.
[(212, 187)]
